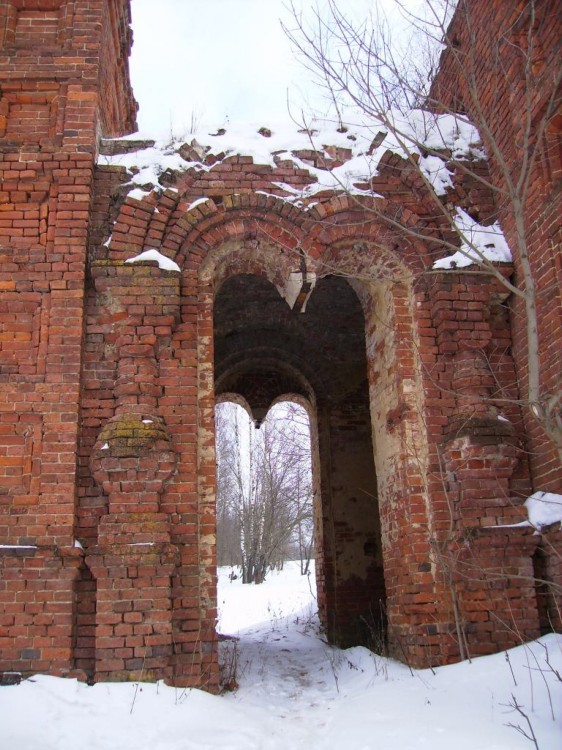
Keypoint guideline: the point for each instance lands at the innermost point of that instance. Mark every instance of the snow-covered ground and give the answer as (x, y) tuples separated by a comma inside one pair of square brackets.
[(295, 692)]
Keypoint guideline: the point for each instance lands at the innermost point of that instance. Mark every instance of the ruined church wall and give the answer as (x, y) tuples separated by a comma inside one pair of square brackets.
[(51, 114), (511, 76), (106, 410)]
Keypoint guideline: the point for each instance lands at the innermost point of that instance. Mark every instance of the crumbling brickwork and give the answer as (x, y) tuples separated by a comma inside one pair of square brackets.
[(514, 80), (111, 370)]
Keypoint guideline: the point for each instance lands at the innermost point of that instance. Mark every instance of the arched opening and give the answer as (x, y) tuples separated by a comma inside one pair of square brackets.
[(264, 350)]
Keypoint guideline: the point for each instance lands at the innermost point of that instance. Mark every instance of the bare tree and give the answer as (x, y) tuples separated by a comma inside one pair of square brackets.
[(361, 66), (228, 527), (295, 437), (264, 498)]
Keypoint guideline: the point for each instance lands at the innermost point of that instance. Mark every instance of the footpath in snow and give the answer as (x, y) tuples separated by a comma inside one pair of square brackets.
[(297, 693)]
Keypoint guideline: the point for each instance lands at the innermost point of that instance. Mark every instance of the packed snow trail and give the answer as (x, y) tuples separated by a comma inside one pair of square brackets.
[(329, 699), (297, 693)]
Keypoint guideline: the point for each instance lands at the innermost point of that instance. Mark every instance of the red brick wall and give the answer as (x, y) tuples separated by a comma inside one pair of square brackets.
[(53, 57), (507, 82), (510, 85)]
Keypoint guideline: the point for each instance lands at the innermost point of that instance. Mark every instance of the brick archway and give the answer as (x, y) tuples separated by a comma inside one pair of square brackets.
[(256, 249)]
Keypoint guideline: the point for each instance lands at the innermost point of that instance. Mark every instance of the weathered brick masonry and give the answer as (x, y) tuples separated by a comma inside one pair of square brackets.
[(63, 82), (517, 76), (111, 370)]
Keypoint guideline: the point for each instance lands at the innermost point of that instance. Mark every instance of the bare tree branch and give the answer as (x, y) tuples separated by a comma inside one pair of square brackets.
[(366, 71)]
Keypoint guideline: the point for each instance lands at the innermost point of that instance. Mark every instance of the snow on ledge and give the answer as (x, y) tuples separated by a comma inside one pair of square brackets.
[(138, 193), (544, 509), (478, 243), (163, 262), (197, 202), (348, 155)]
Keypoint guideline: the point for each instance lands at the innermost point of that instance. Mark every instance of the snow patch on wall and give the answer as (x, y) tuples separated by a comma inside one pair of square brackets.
[(359, 145), (163, 262), (478, 243), (544, 509)]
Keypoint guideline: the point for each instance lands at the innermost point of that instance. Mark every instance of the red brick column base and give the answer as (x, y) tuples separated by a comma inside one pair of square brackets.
[(134, 606)]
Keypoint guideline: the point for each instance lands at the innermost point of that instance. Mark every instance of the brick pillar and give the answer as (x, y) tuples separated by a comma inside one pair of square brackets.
[(404, 438), (487, 571), (132, 460)]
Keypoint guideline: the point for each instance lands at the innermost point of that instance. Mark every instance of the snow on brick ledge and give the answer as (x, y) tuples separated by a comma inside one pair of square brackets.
[(164, 263), (544, 509), (342, 159), (477, 243)]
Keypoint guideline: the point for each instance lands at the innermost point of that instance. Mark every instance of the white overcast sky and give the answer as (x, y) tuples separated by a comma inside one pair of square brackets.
[(218, 60)]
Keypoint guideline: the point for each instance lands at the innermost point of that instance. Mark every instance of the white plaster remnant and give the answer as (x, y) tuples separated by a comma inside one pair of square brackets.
[(297, 283)]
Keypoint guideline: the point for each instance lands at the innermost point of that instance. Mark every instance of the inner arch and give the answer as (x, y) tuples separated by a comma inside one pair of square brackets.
[(263, 350)]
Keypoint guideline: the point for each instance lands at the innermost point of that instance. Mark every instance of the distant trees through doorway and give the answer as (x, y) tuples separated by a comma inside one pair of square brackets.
[(264, 490)]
